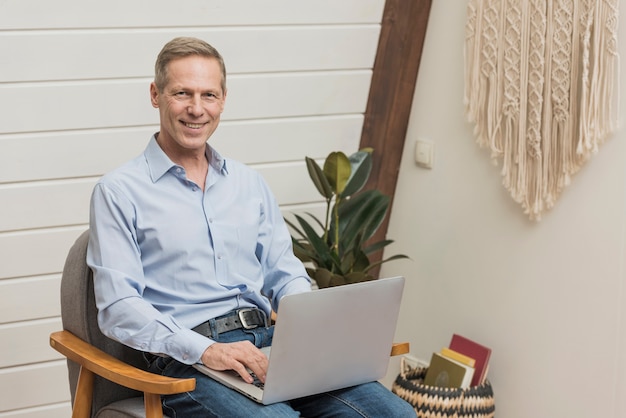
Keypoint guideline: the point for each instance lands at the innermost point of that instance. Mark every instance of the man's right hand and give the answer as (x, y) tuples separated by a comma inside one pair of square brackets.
[(238, 356)]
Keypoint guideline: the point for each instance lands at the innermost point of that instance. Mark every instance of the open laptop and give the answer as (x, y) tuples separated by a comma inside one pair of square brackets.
[(326, 339)]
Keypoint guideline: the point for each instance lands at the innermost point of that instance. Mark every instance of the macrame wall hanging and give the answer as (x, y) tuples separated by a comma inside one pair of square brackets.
[(541, 87)]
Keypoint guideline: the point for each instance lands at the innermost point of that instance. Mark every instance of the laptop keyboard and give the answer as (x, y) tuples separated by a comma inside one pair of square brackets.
[(257, 382)]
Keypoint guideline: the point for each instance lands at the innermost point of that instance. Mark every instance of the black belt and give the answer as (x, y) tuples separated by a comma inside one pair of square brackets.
[(246, 318)]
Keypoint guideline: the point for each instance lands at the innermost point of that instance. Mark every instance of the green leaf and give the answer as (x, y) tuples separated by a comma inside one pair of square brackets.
[(323, 255), (361, 163), (360, 217), (378, 263), (337, 280), (317, 221), (295, 228), (303, 253), (337, 170), (319, 179), (322, 277), (358, 277), (376, 246), (347, 261), (361, 261)]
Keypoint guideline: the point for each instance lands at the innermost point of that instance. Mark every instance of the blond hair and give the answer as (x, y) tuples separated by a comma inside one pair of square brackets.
[(183, 47)]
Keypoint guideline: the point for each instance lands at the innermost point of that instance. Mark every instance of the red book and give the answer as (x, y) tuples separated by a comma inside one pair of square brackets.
[(476, 351)]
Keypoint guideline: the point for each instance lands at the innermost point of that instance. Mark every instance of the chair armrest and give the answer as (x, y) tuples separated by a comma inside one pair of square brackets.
[(399, 348), (114, 369)]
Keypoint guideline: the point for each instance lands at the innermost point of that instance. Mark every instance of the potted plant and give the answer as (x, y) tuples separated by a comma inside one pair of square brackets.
[(337, 250)]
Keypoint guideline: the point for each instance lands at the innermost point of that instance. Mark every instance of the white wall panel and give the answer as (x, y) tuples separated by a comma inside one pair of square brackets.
[(75, 105), (27, 386), (119, 103), (297, 94), (57, 410), (29, 298), (74, 79), (27, 342), (130, 53), (96, 151), (290, 183), (41, 204), (59, 14), (84, 153), (289, 139), (36, 252), (66, 202)]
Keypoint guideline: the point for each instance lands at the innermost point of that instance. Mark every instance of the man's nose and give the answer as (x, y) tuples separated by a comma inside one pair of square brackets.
[(195, 106)]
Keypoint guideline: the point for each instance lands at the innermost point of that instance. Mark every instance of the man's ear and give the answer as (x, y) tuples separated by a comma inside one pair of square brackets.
[(154, 95), (224, 99)]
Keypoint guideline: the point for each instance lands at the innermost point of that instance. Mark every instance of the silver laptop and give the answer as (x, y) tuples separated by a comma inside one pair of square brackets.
[(326, 339)]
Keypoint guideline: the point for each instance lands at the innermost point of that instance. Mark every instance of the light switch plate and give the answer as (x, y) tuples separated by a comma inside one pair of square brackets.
[(424, 153)]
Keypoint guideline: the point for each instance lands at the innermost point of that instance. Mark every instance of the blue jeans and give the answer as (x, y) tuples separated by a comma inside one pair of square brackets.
[(212, 399)]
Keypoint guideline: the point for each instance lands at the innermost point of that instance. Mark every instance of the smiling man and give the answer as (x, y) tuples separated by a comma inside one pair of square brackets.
[(183, 242), (190, 93)]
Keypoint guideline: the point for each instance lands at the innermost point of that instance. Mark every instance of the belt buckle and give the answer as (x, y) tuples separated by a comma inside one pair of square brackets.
[(243, 317)]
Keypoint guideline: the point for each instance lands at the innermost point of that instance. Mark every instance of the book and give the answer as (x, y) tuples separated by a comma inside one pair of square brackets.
[(478, 352), (448, 373), (455, 355)]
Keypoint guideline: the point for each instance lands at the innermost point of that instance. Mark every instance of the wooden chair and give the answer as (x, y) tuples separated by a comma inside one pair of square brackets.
[(106, 377)]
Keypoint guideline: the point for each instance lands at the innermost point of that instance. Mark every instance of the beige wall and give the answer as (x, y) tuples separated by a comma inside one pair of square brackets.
[(548, 297), (74, 101)]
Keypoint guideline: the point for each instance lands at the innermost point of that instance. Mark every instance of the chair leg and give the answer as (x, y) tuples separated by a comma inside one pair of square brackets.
[(84, 394), (152, 403)]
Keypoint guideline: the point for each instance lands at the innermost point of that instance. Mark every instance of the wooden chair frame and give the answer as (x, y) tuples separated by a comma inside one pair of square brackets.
[(94, 361)]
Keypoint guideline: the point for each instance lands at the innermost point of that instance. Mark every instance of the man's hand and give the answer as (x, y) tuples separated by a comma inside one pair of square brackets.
[(238, 356)]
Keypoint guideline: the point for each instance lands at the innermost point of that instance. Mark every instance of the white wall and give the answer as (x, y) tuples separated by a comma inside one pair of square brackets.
[(547, 297), (74, 103)]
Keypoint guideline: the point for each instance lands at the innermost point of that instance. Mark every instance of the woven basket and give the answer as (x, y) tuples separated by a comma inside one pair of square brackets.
[(437, 402)]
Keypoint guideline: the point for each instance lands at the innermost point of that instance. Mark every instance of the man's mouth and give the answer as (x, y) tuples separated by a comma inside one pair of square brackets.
[(193, 125)]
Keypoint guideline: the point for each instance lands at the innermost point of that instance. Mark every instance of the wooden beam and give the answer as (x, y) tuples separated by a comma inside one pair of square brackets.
[(391, 93)]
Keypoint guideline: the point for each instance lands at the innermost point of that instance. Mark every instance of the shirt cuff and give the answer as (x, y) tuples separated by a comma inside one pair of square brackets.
[(194, 346)]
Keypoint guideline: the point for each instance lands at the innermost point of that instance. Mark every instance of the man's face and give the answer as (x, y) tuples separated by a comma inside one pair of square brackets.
[(190, 104)]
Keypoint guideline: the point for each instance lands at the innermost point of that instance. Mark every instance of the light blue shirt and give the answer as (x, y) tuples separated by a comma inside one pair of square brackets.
[(167, 257)]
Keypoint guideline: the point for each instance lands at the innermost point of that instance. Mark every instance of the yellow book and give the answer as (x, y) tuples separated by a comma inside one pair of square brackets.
[(455, 355)]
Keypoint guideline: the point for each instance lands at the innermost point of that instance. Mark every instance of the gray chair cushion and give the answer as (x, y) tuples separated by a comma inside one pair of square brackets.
[(78, 312), (128, 408)]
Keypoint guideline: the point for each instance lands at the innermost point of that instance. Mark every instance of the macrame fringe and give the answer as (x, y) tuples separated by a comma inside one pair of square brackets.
[(541, 88)]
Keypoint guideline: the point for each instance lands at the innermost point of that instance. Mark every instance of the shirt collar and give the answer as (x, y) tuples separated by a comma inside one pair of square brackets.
[(216, 160), (159, 163)]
